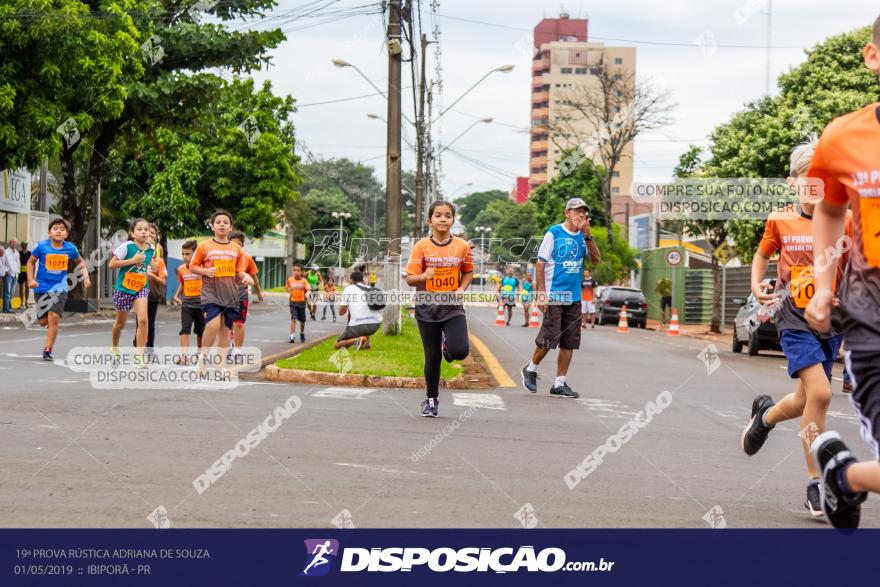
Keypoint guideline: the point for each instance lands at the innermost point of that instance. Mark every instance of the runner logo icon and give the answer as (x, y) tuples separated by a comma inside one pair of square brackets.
[(320, 554)]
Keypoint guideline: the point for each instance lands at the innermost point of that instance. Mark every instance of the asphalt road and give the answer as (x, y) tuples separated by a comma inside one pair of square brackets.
[(75, 456)]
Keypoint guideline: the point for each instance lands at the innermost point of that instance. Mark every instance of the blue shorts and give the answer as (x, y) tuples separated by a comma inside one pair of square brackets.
[(230, 313), (804, 349)]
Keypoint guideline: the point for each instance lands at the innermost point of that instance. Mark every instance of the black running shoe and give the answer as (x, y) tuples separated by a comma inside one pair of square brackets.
[(814, 499), (529, 379), (429, 408), (843, 509), (443, 350), (302, 337), (47, 355), (563, 391), (435, 407), (755, 434)]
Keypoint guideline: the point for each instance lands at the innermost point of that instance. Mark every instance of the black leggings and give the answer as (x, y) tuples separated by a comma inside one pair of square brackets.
[(456, 345)]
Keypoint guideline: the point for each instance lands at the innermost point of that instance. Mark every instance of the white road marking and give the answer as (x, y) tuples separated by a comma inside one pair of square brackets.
[(344, 392), (848, 416), (738, 414), (371, 468), (247, 383), (608, 408), (17, 340), (489, 401)]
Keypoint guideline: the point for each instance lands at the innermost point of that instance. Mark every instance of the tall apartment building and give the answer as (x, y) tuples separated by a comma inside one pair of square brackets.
[(564, 63)]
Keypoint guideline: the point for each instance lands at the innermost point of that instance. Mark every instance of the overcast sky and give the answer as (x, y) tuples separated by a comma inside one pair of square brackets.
[(707, 85)]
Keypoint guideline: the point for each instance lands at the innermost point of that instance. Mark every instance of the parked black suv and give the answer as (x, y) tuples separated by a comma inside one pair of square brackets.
[(610, 300)]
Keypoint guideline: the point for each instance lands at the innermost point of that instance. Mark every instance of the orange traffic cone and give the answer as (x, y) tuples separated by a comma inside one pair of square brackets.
[(499, 318), (623, 326), (673, 324), (533, 317)]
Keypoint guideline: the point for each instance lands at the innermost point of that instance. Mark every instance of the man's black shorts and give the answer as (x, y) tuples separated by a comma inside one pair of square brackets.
[(358, 331), (561, 327), (192, 320), (864, 369), (298, 312)]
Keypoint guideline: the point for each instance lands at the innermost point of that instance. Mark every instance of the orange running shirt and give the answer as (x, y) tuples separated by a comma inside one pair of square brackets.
[(228, 258), (191, 287), (450, 261), (250, 267), (790, 233), (588, 287), (847, 159), (298, 289)]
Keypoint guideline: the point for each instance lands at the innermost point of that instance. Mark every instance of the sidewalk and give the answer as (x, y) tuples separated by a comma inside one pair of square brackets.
[(700, 331)]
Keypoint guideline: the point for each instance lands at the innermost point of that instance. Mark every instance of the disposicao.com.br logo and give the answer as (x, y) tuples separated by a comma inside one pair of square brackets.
[(320, 554), (441, 560)]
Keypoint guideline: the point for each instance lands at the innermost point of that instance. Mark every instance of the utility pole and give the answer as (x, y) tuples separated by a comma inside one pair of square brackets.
[(420, 145), (429, 162), (392, 181)]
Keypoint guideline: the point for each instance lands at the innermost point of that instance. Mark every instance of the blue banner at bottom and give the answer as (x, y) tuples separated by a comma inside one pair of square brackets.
[(436, 557)]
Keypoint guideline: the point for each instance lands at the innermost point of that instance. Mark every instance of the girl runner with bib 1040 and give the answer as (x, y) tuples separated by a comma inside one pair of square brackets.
[(441, 269)]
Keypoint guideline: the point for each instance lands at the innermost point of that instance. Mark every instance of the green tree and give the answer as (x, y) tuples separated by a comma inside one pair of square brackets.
[(322, 204), (757, 141), (62, 60), (357, 181), (176, 180), (513, 225), (149, 59), (471, 205), (585, 182), (618, 258)]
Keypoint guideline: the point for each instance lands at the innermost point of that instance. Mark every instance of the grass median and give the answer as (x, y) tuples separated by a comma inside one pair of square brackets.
[(392, 356)]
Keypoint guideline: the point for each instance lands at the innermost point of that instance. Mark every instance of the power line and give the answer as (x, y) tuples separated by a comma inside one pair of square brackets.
[(361, 97), (483, 164), (619, 40)]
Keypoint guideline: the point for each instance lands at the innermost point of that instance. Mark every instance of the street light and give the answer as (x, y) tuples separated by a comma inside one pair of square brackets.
[(342, 216), (342, 63), (482, 230), (464, 185), (486, 120), (502, 69), (382, 118)]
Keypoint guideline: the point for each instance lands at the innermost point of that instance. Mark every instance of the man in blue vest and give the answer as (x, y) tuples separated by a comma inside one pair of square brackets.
[(558, 278)]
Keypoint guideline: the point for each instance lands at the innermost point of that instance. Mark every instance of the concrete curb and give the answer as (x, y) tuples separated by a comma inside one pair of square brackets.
[(295, 349), (274, 373)]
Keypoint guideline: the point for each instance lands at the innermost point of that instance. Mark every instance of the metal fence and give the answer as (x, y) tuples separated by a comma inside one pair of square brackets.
[(694, 299)]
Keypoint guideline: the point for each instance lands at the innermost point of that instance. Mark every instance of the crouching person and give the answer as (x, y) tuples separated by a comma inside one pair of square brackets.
[(363, 322)]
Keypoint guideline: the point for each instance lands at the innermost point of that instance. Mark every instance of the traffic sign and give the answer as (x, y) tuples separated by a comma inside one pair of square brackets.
[(673, 257)]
